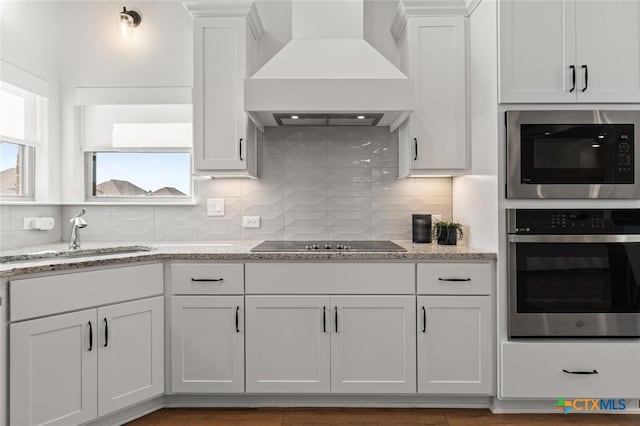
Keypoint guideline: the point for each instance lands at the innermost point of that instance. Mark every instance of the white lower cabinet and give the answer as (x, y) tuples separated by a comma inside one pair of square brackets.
[(68, 369), (53, 370), (130, 353), (339, 344), (288, 344), (207, 344), (373, 346), (455, 345)]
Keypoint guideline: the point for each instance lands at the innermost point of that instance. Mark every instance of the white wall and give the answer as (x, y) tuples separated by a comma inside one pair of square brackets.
[(95, 55), (475, 197), (30, 35)]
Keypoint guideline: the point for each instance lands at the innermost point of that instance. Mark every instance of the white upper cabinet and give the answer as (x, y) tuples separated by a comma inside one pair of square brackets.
[(568, 51), (224, 55), (608, 45), (434, 139)]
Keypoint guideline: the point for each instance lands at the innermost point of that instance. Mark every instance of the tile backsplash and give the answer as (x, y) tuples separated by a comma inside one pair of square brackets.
[(11, 232), (315, 183)]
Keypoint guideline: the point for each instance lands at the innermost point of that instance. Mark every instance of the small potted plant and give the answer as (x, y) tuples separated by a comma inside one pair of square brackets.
[(447, 233)]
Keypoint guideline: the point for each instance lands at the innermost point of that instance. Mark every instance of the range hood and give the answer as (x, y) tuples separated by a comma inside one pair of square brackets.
[(328, 74)]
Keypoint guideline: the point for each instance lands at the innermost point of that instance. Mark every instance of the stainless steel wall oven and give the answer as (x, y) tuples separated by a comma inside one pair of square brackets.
[(574, 273), (573, 154)]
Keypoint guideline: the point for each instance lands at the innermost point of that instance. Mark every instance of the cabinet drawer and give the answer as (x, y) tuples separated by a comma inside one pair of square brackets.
[(330, 278), (543, 370), (455, 278), (41, 296), (207, 278)]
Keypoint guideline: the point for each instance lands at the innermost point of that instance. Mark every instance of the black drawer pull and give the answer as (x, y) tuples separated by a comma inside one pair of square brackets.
[(573, 78), (206, 280), (580, 371), (454, 279), (424, 319), (415, 146), (106, 333), (336, 318), (90, 337), (237, 319), (586, 78)]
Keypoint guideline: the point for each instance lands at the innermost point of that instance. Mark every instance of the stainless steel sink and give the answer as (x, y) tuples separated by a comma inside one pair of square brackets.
[(66, 253)]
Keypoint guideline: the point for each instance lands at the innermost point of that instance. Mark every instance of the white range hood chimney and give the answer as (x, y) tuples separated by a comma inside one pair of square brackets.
[(328, 74)]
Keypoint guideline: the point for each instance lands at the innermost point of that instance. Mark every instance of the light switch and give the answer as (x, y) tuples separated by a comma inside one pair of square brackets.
[(215, 207)]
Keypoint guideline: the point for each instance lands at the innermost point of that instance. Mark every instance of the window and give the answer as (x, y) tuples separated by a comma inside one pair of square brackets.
[(21, 115), (141, 174), (137, 152)]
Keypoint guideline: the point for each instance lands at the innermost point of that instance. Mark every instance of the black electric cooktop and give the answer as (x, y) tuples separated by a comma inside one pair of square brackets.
[(328, 246)]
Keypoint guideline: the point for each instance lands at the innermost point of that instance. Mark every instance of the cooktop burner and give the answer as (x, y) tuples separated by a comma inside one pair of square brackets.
[(327, 246)]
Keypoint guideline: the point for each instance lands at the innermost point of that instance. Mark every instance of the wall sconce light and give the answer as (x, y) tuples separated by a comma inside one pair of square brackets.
[(129, 19)]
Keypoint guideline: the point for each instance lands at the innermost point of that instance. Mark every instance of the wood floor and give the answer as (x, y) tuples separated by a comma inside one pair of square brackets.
[(375, 417)]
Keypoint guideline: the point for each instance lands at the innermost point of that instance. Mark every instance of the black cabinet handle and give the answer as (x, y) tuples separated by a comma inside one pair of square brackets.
[(415, 147), (90, 337), (336, 317), (580, 371), (106, 333), (237, 319), (454, 279), (324, 319), (206, 280), (240, 144), (424, 319), (586, 78), (573, 78)]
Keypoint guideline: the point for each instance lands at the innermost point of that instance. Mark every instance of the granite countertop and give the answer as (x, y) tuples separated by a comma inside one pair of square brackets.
[(218, 251)]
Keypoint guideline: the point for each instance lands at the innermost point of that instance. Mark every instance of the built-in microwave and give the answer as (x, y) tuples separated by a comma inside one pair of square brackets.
[(573, 154)]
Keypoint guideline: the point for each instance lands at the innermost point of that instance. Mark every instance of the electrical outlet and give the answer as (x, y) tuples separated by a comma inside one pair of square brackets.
[(436, 217), (251, 221), (215, 206)]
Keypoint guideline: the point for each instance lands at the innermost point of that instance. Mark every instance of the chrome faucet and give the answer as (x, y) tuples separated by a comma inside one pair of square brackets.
[(77, 222)]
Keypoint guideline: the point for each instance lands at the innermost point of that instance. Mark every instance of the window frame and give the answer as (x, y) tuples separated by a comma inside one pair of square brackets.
[(89, 171)]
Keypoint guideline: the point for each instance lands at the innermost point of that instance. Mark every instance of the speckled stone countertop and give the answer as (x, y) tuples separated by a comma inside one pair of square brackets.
[(219, 251)]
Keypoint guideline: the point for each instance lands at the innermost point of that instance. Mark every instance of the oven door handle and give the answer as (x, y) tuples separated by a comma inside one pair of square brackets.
[(635, 238)]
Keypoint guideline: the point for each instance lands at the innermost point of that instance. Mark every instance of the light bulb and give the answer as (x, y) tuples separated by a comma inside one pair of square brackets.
[(125, 29), (294, 117)]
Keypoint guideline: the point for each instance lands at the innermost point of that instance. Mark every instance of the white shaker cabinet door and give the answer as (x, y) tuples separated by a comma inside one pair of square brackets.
[(455, 345), (207, 344), (373, 344), (131, 353), (608, 34), (288, 344), (435, 136), (53, 370), (537, 51)]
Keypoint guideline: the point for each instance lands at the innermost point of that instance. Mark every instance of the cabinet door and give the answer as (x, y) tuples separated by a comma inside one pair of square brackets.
[(608, 33), (131, 353), (288, 344), (537, 49), (438, 126), (373, 344), (220, 122), (53, 370), (207, 344), (455, 345)]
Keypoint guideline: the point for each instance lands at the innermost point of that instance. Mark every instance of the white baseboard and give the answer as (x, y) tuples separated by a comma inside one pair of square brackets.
[(131, 413), (398, 401)]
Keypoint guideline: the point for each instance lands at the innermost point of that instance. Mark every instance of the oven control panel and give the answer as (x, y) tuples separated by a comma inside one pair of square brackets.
[(573, 221)]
